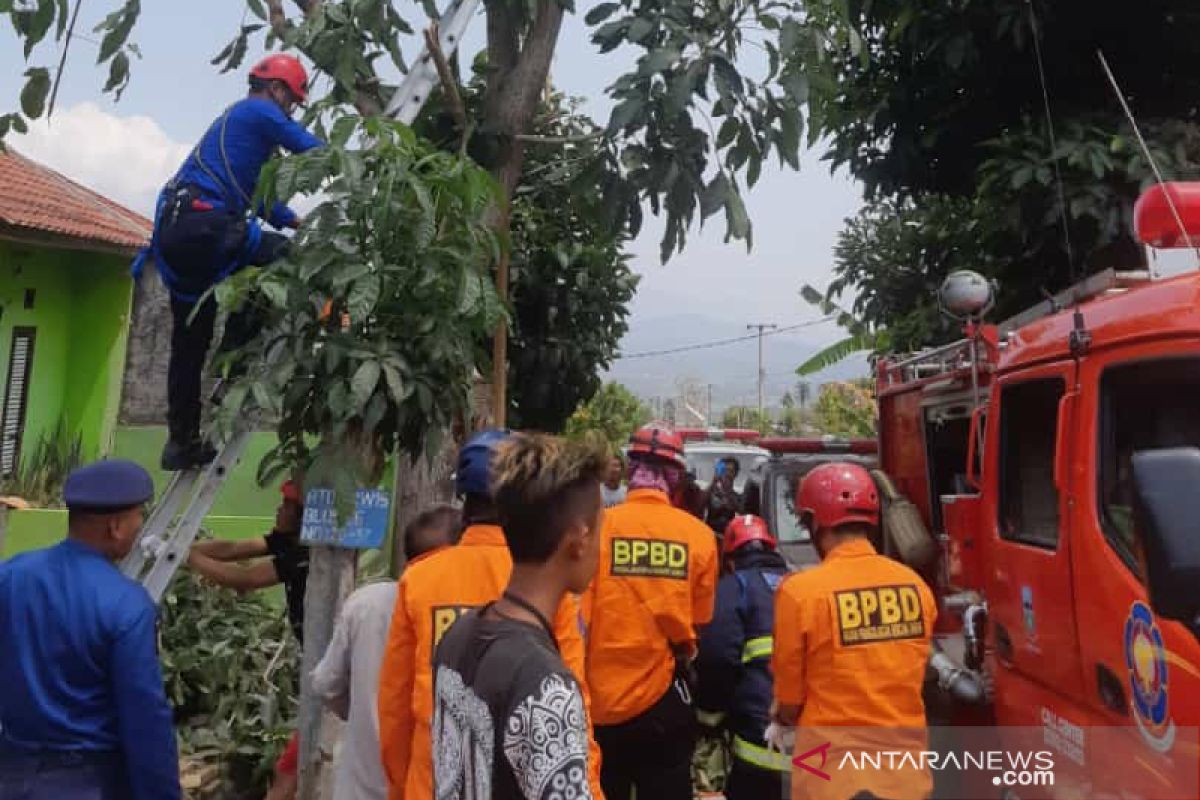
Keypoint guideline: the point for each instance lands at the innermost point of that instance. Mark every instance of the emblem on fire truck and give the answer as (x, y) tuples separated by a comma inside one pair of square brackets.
[(1145, 658)]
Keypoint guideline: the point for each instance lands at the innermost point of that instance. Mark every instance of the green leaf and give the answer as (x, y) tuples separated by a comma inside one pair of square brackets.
[(363, 384), (754, 171), (63, 15), (625, 114), (118, 74), (736, 220), (33, 96), (257, 9), (600, 13), (728, 132), (276, 292), (796, 85), (658, 60), (839, 351), (640, 29), (39, 22), (714, 196), (789, 37), (363, 298), (729, 82), (789, 136)]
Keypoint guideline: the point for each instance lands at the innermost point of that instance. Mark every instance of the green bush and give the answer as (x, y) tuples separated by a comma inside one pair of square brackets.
[(40, 473), (231, 668)]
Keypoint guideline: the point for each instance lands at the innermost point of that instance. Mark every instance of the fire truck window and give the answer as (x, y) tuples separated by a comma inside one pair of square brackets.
[(1028, 497), (787, 520), (1144, 405)]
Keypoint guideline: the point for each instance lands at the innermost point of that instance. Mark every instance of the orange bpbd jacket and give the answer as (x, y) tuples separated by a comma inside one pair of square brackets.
[(432, 594), (851, 645), (655, 584)]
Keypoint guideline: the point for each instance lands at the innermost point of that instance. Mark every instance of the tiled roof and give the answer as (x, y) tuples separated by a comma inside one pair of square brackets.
[(35, 198)]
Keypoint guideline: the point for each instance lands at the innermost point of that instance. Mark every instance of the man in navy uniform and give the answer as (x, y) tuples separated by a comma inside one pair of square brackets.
[(83, 713), (733, 665)]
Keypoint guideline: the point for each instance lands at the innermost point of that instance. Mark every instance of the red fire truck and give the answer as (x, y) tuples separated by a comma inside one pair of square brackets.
[(1056, 456)]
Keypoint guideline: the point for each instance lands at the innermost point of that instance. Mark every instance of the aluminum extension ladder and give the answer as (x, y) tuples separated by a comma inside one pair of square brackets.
[(163, 544)]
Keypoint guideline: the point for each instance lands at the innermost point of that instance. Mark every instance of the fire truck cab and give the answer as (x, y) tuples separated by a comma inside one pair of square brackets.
[(1057, 458)]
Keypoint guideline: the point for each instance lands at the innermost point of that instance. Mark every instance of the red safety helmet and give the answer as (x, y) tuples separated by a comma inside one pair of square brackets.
[(837, 494), (658, 440), (291, 492), (744, 529), (286, 69)]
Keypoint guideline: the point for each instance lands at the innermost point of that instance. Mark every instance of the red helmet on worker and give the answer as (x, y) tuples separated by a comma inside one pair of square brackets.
[(287, 70), (744, 529), (837, 494), (658, 441)]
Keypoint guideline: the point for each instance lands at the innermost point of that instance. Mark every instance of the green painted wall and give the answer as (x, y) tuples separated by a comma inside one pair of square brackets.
[(241, 495), (101, 296), (81, 311)]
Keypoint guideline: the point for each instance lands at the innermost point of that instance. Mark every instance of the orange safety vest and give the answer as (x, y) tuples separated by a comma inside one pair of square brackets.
[(432, 594), (655, 584), (851, 646)]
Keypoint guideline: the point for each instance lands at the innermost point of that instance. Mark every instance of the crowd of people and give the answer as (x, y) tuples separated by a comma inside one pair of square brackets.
[(537, 645)]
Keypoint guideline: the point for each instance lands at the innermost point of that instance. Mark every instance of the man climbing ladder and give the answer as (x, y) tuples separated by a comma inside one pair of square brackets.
[(205, 230)]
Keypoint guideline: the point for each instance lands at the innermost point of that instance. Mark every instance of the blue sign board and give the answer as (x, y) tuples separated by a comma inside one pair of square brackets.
[(367, 528)]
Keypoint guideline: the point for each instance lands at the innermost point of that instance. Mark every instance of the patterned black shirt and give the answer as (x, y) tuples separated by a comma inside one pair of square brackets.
[(508, 716)]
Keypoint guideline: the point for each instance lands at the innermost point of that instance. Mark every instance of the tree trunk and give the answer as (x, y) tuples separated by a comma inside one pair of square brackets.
[(330, 581), (518, 69)]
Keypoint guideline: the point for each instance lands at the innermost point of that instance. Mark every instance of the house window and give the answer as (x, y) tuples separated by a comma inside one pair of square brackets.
[(1028, 496), (1143, 406), (16, 397)]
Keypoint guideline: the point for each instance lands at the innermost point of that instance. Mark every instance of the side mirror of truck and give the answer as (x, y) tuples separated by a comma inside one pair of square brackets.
[(1167, 514)]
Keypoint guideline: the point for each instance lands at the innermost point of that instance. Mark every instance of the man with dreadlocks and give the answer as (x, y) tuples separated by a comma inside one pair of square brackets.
[(654, 587)]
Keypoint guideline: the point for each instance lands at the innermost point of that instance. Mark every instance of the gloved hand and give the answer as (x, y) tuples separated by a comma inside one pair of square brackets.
[(780, 738)]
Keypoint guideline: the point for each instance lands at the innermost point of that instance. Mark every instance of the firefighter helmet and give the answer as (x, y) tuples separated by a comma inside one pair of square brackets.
[(287, 70), (659, 441), (744, 529), (836, 494), (474, 473)]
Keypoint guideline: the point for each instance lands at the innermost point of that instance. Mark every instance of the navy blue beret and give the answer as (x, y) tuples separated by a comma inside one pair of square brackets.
[(108, 485)]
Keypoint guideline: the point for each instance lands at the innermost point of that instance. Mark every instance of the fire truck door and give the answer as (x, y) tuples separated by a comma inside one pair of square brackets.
[(1141, 672), (1031, 431)]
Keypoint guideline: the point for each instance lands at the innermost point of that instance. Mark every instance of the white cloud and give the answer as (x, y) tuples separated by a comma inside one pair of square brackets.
[(126, 159)]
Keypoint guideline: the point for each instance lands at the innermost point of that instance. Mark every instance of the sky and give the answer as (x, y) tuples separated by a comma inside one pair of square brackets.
[(127, 149)]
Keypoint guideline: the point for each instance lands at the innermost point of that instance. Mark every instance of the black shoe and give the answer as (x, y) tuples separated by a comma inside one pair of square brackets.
[(177, 456)]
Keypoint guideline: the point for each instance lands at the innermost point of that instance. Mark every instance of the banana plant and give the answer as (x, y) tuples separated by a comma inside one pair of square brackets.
[(861, 336)]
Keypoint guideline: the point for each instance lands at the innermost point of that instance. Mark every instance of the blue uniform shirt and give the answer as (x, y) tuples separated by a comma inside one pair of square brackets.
[(79, 666), (253, 128), (733, 663)]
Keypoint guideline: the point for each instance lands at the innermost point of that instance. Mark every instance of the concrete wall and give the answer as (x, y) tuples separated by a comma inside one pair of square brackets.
[(144, 390), (80, 311)]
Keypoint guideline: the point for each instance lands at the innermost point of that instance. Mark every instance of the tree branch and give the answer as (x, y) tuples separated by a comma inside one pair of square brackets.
[(515, 87), (449, 84), (530, 138), (62, 62)]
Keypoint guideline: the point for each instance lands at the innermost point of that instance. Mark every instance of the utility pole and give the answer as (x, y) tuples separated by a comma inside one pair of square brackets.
[(762, 373)]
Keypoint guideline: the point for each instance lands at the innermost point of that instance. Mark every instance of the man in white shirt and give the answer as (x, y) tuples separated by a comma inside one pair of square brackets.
[(612, 491), (348, 675)]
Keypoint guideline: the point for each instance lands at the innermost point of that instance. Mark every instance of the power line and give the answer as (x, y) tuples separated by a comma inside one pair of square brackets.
[(723, 342)]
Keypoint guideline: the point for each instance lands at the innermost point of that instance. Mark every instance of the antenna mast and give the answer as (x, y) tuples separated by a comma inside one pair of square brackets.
[(1112, 79)]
